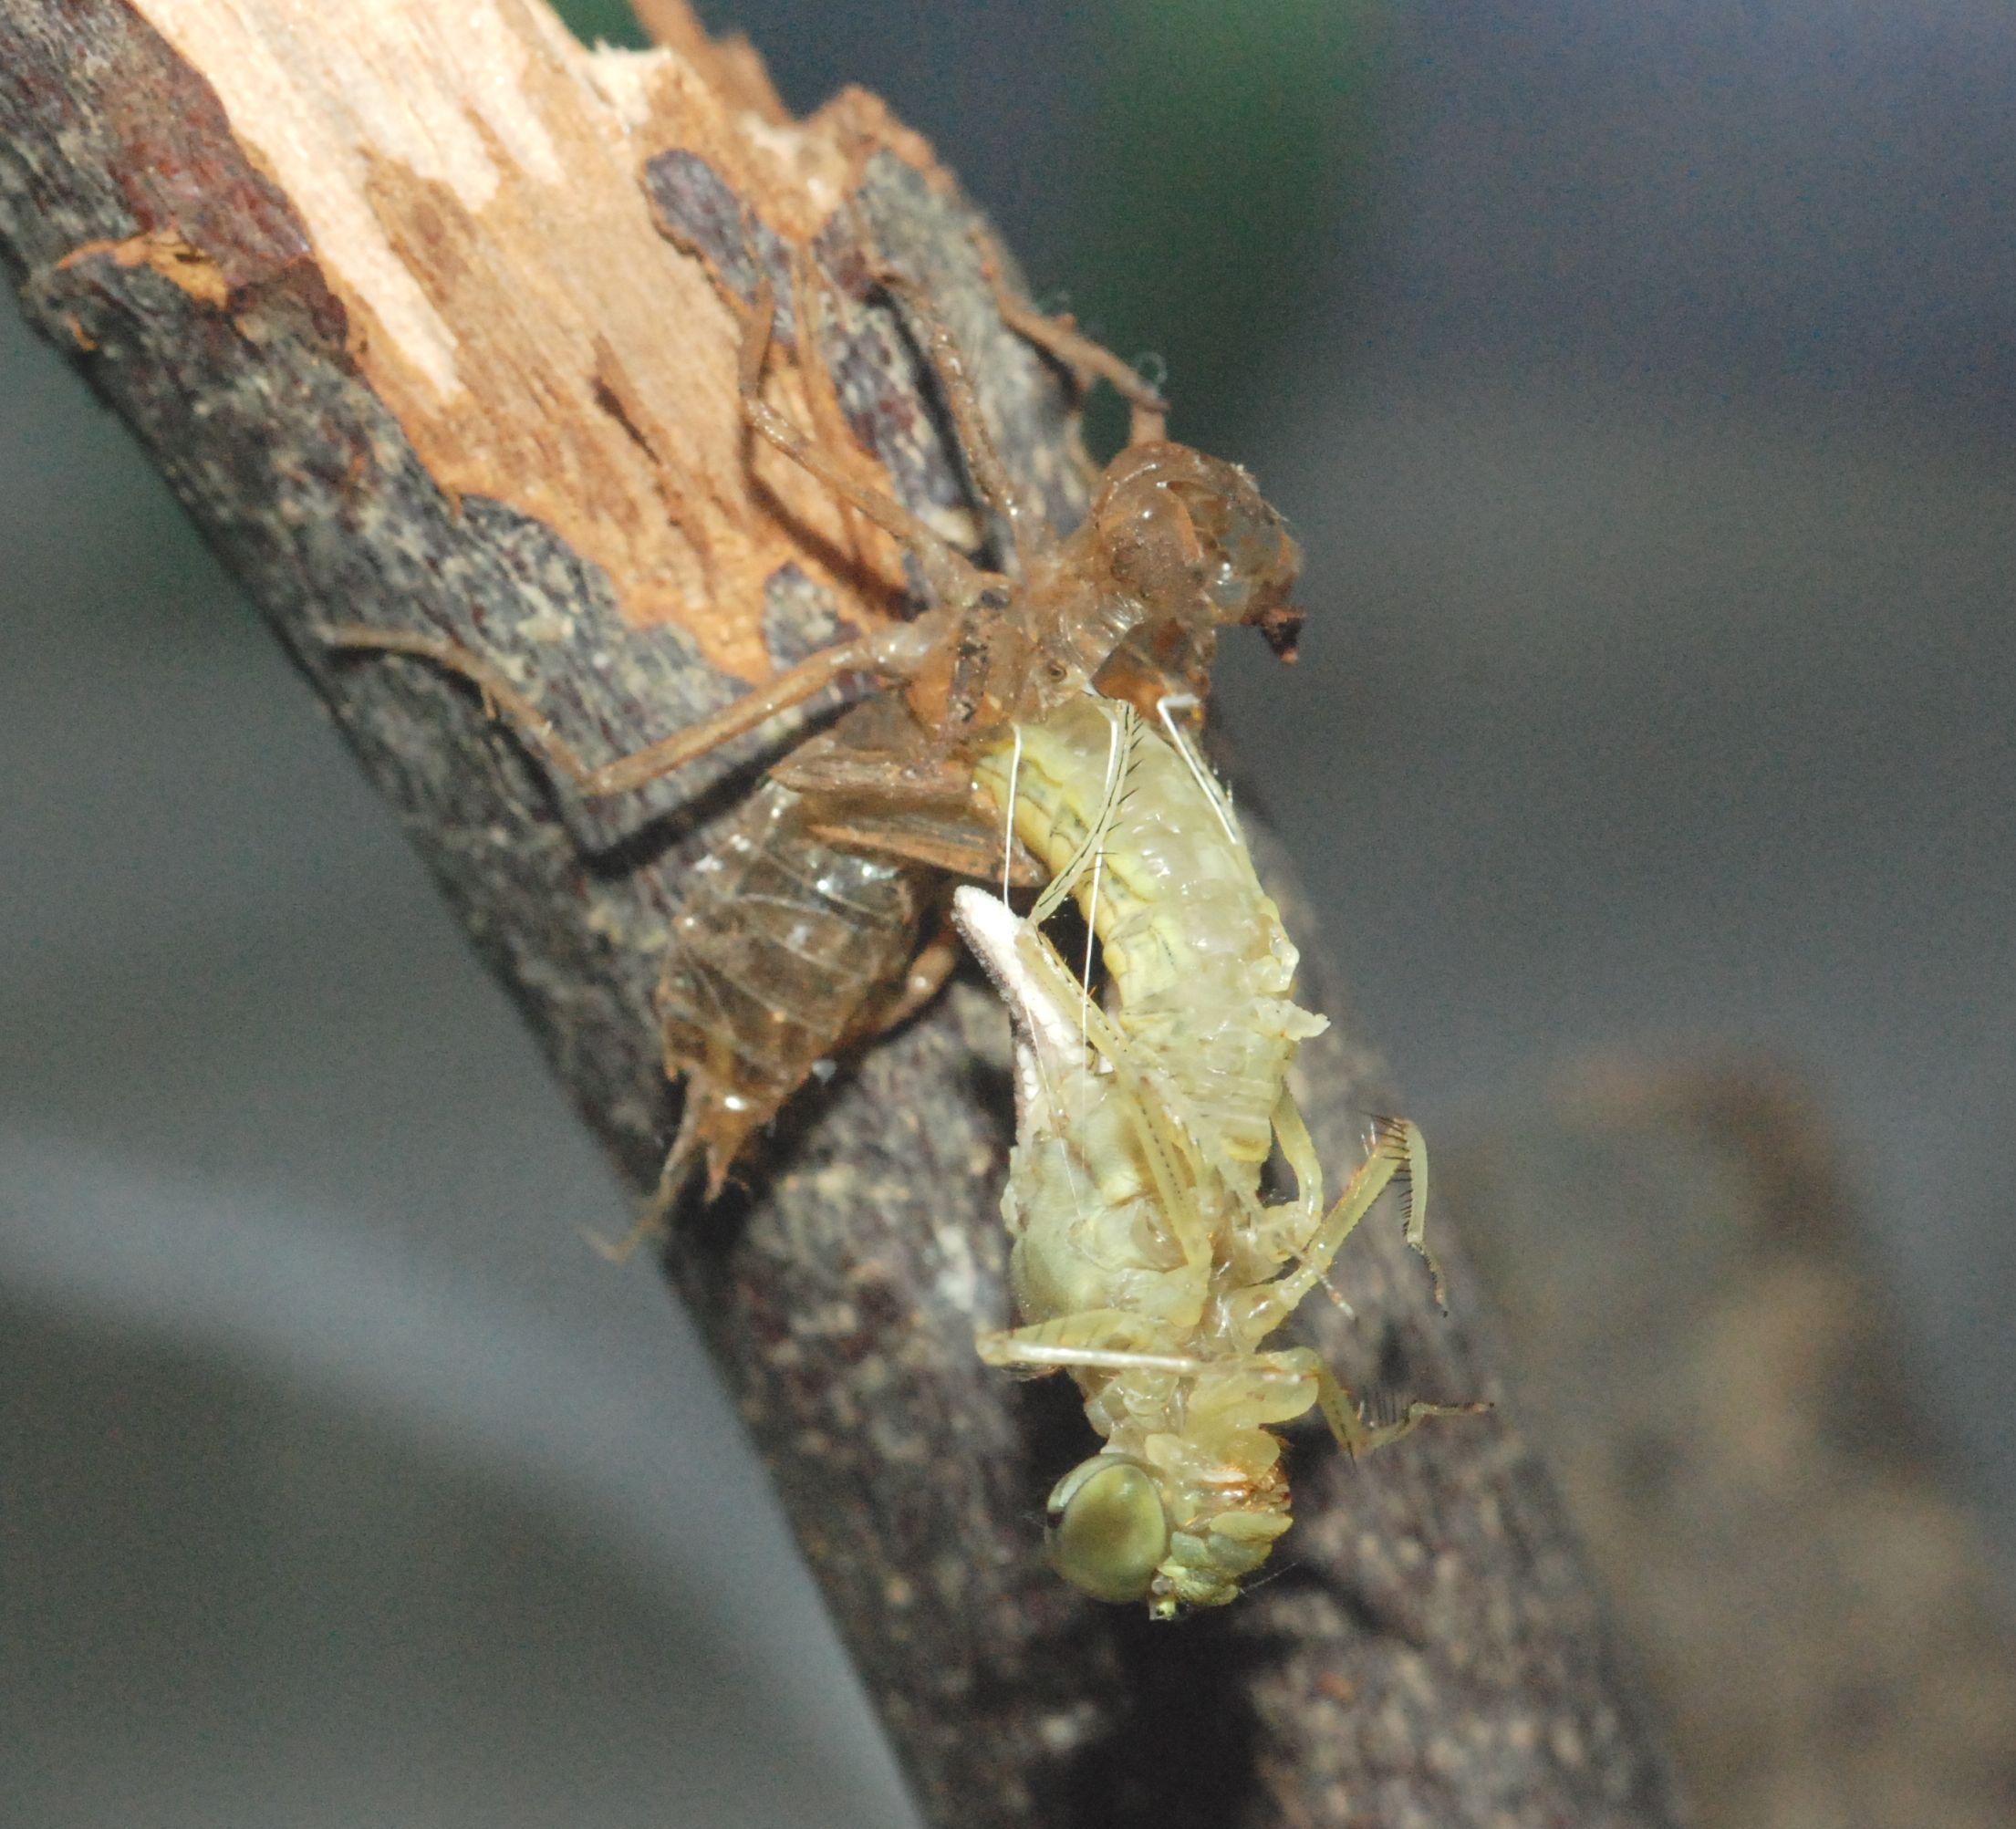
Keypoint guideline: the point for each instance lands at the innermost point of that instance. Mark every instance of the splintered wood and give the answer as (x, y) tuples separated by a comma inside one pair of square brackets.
[(468, 179)]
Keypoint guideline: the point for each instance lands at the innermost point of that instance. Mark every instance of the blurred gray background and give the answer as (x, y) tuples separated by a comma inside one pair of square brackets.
[(1640, 380)]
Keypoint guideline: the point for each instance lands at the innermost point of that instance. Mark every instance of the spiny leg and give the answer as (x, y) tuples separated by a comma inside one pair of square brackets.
[(830, 426), (953, 577), (1125, 728), (1397, 1150), (1354, 1435), (889, 654), (1298, 1149), (990, 474), (1402, 1137), (1285, 1230), (1061, 339), (1208, 783), (909, 837), (893, 796), (1293, 1229)]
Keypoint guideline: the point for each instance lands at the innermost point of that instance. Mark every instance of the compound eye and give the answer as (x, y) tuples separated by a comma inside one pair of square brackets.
[(1107, 1532)]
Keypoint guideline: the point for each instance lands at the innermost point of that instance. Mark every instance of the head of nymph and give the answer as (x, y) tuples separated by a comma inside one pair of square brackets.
[(1178, 545), (1116, 1532)]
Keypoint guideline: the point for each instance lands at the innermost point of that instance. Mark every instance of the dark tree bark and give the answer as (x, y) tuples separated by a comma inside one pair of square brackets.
[(456, 379)]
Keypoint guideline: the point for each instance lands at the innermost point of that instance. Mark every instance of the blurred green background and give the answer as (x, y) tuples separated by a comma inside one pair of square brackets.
[(1194, 167)]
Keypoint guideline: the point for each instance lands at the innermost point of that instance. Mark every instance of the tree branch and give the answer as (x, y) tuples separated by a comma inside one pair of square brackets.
[(381, 291)]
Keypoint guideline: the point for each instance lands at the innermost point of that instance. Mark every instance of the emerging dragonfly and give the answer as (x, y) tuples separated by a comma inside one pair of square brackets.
[(1145, 1260)]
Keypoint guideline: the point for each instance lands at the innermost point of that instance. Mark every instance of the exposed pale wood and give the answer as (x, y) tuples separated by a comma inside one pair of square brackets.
[(467, 179), (380, 290)]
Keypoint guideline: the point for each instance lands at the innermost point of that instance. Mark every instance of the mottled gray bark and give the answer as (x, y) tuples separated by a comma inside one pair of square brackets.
[(1431, 1651)]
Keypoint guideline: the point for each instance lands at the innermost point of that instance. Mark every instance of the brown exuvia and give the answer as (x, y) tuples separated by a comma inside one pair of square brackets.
[(816, 918)]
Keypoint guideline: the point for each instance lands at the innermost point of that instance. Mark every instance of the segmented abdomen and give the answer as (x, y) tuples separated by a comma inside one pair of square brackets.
[(1201, 967), (783, 949)]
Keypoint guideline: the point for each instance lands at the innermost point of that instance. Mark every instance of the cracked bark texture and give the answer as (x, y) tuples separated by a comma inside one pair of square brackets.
[(462, 379)]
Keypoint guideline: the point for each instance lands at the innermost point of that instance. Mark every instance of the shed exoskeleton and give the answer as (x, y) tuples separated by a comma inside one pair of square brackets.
[(1176, 546)]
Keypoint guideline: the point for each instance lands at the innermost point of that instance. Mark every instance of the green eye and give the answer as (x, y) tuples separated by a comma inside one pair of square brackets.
[(1107, 1531)]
